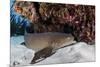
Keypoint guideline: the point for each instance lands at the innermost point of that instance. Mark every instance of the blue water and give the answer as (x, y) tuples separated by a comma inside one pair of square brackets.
[(17, 18)]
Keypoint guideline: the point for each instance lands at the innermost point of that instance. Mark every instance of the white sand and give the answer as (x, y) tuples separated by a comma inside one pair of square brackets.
[(80, 52)]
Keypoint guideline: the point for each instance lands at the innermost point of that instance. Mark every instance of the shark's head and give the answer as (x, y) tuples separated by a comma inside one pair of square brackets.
[(63, 41), (68, 41)]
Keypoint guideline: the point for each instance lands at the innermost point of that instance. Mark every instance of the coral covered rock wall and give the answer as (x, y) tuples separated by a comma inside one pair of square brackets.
[(78, 20)]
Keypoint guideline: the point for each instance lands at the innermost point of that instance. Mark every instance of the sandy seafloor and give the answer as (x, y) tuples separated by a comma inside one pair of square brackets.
[(80, 52)]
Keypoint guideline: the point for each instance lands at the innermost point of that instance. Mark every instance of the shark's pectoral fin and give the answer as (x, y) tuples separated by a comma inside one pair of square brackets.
[(42, 54)]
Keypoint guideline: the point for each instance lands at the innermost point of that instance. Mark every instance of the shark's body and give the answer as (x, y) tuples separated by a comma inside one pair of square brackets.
[(40, 41), (47, 43)]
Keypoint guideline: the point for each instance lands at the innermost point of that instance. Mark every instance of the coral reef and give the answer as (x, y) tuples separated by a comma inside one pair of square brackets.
[(78, 20)]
